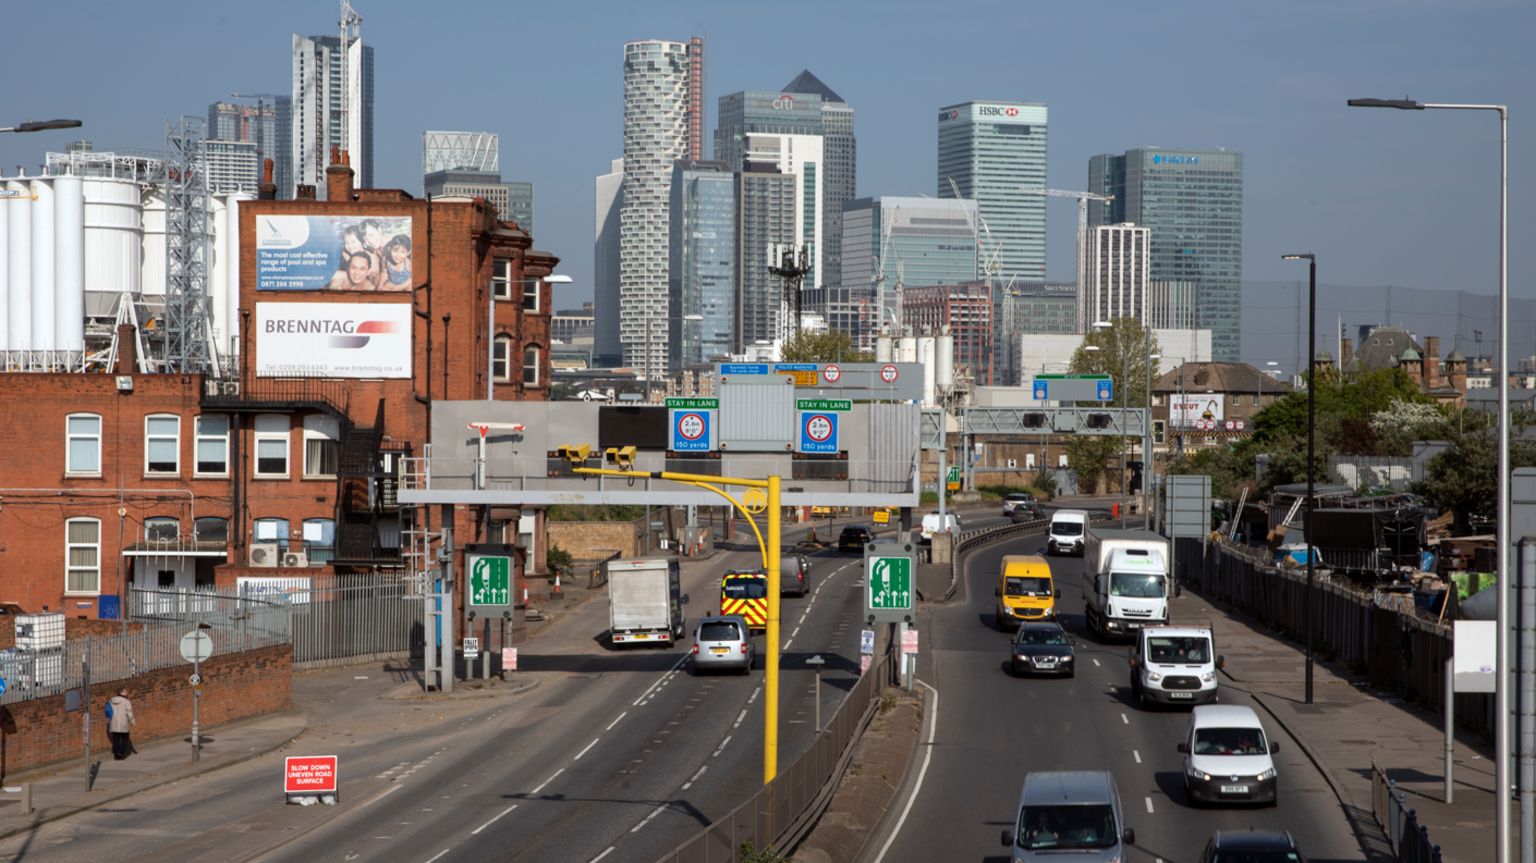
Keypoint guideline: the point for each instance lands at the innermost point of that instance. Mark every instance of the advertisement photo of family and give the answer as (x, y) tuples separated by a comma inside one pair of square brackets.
[(333, 253)]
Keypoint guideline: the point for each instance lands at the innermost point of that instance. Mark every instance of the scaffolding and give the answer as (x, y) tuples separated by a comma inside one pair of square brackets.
[(188, 338)]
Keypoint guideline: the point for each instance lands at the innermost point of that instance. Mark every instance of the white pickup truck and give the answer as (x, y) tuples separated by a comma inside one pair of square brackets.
[(1125, 580)]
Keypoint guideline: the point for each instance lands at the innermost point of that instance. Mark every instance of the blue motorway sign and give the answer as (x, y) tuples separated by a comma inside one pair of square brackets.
[(691, 429), (796, 367), (818, 431), (743, 368), (1042, 390), (1106, 390)]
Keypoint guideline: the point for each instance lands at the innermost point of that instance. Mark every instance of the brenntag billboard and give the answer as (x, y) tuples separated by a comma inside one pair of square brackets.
[(333, 340), (333, 253)]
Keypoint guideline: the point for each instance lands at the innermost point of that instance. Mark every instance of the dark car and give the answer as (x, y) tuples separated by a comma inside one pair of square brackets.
[(1026, 511), (1252, 846), (854, 537), (1042, 648)]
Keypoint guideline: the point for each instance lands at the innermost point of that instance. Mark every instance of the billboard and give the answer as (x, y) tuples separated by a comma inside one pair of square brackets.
[(333, 340), (333, 253), (1186, 408)]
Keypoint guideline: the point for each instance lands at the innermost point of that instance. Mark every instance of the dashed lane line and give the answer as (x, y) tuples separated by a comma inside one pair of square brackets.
[(611, 847), (616, 721), (587, 749), (476, 831), (547, 781), (722, 746), (1137, 754), (654, 812), (1125, 719), (1096, 663), (438, 855), (661, 680), (1149, 805)]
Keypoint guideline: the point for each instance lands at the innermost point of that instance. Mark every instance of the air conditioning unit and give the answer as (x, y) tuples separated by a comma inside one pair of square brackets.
[(264, 554), (231, 388), (210, 387), (295, 559)]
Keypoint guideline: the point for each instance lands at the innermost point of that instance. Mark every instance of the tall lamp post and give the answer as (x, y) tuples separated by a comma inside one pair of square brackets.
[(1501, 693), (1148, 458), (1311, 260)]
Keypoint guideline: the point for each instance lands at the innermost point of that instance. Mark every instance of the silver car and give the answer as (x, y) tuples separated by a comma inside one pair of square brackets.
[(723, 642)]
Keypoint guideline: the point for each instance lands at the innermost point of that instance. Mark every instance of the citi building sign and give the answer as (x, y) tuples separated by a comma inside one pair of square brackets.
[(784, 102)]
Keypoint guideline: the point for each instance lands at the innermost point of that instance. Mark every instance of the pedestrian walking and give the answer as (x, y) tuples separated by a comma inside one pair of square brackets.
[(120, 722)]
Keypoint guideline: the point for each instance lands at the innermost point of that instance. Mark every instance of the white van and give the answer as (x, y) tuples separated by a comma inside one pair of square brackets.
[(1067, 529), (1227, 757), (934, 523), (1174, 665)]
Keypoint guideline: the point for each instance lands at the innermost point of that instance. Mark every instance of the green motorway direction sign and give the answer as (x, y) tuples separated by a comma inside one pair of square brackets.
[(890, 589), (490, 580)]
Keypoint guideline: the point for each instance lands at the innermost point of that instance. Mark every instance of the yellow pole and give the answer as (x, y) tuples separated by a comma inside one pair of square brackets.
[(771, 672), (762, 547)]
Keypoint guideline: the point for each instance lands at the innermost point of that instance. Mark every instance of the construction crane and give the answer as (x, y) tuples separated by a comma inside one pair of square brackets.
[(1082, 225), (879, 277), (989, 254)]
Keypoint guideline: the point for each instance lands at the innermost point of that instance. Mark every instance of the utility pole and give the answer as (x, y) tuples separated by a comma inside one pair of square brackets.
[(792, 264)]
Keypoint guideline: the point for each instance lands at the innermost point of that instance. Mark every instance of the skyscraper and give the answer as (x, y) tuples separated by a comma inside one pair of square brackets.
[(702, 270), (609, 188), (988, 150), (659, 129), (232, 166), (762, 111), (268, 124), (802, 156), (331, 92), (890, 242), (1192, 202), (468, 163), (1115, 284), (769, 209), (460, 151), (839, 183)]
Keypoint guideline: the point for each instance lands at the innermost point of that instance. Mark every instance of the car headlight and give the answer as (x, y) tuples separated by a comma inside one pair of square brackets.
[(1208, 677), (1154, 676), (1067, 658), (1268, 774), (1196, 774)]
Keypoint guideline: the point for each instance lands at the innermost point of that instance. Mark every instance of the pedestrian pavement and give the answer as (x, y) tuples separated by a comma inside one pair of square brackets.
[(1348, 727)]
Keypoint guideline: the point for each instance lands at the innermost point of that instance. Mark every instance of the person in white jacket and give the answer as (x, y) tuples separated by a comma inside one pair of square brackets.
[(120, 722)]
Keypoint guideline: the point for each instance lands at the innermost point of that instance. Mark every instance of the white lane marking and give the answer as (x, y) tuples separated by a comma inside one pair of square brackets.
[(722, 746), (654, 812), (438, 854), (739, 718), (700, 773), (906, 810), (547, 781), (1137, 754), (476, 831), (1123, 718), (1096, 663), (587, 749), (610, 851), (660, 680), (1149, 805), (616, 721), (388, 791), (795, 633)]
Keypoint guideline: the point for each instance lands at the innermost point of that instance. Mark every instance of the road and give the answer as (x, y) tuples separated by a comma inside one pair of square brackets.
[(992, 729), (614, 755)]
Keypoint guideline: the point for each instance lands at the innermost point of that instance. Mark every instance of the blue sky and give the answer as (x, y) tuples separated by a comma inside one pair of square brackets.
[(1382, 197)]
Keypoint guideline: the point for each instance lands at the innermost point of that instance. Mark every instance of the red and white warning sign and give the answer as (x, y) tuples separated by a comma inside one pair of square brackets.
[(909, 641), (831, 372), (889, 373), (309, 774), (818, 427), (690, 426)]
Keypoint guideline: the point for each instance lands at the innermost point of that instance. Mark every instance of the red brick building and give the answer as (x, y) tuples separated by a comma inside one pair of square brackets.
[(963, 311), (289, 467)]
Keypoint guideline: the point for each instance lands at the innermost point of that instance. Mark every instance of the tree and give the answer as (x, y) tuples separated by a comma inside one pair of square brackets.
[(1401, 423), (1121, 350), (1344, 411), (832, 346)]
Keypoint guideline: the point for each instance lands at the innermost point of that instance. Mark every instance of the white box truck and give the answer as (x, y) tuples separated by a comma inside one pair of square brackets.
[(645, 600), (1125, 580)]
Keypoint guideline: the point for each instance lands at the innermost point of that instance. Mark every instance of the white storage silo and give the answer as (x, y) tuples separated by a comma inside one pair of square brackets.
[(113, 236), (944, 371), (69, 263), (882, 349), (218, 278), (230, 244), (19, 265), (152, 242), (5, 273), (926, 355), (42, 266), (906, 349)]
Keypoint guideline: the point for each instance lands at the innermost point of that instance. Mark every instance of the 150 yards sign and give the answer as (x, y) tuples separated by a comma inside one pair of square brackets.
[(693, 422)]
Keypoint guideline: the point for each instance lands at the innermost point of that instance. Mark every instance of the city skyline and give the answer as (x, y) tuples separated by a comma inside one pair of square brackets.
[(1346, 184)]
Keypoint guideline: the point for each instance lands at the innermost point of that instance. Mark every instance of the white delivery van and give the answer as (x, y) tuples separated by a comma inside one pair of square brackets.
[(1174, 665), (645, 601), (1125, 580), (1066, 534)]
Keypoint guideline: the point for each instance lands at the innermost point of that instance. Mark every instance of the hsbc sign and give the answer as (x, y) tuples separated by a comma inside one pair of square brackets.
[(996, 111)]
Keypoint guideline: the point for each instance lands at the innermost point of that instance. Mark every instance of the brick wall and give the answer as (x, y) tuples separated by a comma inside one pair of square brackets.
[(590, 540), (237, 686)]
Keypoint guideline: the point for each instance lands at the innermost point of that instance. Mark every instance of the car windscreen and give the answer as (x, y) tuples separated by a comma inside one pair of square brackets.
[(1256, 856), (1025, 586), (721, 631), (1135, 584), (1066, 827), (744, 588), (1067, 528), (1229, 741), (1179, 649), (1042, 636)]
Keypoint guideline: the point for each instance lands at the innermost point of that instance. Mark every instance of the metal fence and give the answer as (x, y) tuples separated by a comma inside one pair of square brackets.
[(49, 671), (1409, 838), (780, 814), (334, 621)]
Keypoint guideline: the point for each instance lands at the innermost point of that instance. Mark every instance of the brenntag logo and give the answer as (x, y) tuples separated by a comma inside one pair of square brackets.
[(362, 333), (338, 332)]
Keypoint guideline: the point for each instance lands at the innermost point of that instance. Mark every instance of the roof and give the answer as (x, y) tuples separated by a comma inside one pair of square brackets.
[(805, 82), (1070, 786), (1227, 715), (1382, 349), (1218, 378), (1455, 356), (1181, 631), (1253, 840)]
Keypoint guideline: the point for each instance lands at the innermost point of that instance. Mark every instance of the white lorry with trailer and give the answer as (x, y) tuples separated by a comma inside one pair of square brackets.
[(645, 601), (1125, 580)]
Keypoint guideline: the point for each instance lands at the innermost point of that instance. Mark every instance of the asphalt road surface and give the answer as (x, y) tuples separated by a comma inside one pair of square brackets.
[(993, 728)]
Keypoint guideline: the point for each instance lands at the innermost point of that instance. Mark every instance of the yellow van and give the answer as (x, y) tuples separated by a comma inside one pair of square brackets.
[(1025, 591)]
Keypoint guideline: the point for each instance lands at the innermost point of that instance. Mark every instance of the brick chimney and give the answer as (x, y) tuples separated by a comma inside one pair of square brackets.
[(1431, 361), (267, 190), (1456, 371), (338, 177), (1346, 352), (1413, 365), (127, 351)]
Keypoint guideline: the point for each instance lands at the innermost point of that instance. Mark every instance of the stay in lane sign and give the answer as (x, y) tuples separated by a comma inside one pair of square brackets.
[(691, 429), (818, 431)]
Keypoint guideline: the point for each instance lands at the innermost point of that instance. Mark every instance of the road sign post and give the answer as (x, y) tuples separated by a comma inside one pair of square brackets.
[(196, 647)]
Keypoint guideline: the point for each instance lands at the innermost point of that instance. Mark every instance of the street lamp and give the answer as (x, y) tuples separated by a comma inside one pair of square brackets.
[(41, 125), (1311, 260), (1148, 458), (1501, 692)]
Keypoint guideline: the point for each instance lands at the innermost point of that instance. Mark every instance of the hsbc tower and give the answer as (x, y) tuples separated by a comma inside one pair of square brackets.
[(989, 150)]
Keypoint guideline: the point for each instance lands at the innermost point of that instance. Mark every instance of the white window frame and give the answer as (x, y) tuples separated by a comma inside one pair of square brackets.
[(501, 359), (158, 520), (286, 436), (532, 290), (319, 427), (69, 439), (70, 546), (531, 368), (150, 438), (200, 438), (501, 279)]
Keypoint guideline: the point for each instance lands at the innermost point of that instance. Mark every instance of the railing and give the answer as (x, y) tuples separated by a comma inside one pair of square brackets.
[(50, 671), (256, 392), (970, 539), (780, 814), (1409, 838)]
